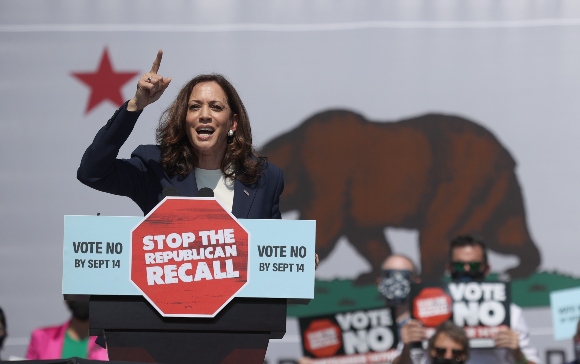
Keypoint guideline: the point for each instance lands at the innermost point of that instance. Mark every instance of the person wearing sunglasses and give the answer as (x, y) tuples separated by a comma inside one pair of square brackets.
[(448, 345), (468, 262)]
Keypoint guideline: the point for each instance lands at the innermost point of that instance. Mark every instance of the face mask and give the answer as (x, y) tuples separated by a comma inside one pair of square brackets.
[(467, 276), (446, 361), (79, 309), (395, 286), (2, 341)]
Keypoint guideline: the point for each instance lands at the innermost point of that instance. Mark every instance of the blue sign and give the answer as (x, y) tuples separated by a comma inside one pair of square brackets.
[(96, 256), (565, 305)]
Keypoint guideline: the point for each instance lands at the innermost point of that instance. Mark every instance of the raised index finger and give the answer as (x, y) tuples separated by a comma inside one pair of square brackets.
[(157, 62)]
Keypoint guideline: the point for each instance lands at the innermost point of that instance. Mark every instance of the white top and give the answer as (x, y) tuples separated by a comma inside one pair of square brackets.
[(223, 189)]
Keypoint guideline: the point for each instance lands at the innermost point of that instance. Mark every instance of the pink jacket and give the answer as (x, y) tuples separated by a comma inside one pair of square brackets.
[(46, 343)]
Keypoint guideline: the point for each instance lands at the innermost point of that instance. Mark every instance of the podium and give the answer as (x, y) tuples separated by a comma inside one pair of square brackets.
[(165, 292), (135, 331)]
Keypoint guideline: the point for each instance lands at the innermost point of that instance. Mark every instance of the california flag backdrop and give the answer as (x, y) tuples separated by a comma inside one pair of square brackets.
[(398, 124)]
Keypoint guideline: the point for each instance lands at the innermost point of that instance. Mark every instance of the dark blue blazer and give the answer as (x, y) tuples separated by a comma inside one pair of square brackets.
[(143, 179)]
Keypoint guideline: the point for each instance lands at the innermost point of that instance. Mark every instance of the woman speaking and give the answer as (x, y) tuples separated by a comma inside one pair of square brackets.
[(204, 141)]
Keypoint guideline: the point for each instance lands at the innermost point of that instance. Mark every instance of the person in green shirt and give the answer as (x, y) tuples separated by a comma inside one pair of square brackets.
[(68, 340)]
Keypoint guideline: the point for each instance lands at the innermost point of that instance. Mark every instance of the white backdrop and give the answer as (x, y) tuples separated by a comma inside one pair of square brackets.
[(512, 66)]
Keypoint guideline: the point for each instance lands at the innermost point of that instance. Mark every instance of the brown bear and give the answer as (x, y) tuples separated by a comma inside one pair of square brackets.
[(440, 174)]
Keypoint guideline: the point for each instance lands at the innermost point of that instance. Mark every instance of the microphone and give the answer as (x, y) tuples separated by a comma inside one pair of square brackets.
[(205, 192), (169, 191)]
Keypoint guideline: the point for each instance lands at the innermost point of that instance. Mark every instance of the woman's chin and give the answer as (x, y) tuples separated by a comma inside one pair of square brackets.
[(210, 146)]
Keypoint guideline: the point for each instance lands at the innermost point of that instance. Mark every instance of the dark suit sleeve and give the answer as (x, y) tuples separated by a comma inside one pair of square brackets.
[(100, 168), (279, 181)]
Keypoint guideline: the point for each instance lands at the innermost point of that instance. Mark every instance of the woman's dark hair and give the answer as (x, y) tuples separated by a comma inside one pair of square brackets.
[(178, 157), (454, 332)]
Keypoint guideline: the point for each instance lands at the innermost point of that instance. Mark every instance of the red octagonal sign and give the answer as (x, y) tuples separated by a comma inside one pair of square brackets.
[(189, 257)]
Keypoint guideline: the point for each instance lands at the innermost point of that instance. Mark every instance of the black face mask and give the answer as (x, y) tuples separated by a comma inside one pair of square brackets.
[(446, 361), (2, 341), (467, 276), (79, 309), (395, 286)]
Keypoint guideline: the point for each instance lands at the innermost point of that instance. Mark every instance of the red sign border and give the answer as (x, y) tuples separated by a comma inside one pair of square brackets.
[(131, 257)]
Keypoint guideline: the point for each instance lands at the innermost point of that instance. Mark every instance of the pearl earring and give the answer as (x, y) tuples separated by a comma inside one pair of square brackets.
[(231, 133)]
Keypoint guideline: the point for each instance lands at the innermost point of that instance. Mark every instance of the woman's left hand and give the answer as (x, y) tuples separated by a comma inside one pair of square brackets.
[(150, 87)]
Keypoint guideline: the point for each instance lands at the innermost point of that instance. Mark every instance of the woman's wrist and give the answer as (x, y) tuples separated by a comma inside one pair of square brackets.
[(132, 105)]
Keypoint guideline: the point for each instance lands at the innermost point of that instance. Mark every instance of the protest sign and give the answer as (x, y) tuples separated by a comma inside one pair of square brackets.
[(362, 336), (481, 308)]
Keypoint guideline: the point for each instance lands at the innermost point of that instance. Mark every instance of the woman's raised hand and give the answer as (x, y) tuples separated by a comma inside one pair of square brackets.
[(150, 87)]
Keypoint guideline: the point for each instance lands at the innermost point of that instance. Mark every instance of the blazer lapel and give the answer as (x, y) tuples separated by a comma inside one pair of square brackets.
[(187, 186), (243, 198)]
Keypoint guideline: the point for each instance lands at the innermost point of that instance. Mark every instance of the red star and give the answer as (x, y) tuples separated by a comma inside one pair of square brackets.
[(105, 83)]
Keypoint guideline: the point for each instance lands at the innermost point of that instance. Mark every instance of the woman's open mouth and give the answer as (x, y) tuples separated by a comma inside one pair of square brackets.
[(204, 132)]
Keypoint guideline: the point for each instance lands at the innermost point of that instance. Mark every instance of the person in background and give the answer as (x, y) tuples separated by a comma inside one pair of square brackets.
[(68, 340), (468, 262), (448, 345), (576, 345), (399, 273), (3, 330), (394, 285)]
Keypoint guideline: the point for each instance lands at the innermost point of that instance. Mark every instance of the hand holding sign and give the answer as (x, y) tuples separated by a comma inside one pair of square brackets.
[(481, 308), (412, 331), (150, 87), (507, 339), (510, 339)]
